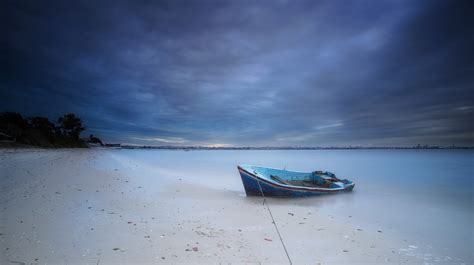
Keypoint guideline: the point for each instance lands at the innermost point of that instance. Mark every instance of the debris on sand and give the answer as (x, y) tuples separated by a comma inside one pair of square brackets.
[(18, 262), (192, 249), (292, 214), (268, 239)]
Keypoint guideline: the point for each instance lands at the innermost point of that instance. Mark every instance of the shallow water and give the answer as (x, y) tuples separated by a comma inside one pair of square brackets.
[(422, 196)]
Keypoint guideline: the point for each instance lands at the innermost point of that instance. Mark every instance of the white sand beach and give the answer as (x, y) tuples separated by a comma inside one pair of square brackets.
[(100, 206)]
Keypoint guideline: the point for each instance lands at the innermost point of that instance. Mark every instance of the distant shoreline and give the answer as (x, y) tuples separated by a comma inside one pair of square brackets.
[(8, 145), (286, 147)]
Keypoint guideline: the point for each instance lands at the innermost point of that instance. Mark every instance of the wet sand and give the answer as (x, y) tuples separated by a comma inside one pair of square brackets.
[(89, 207)]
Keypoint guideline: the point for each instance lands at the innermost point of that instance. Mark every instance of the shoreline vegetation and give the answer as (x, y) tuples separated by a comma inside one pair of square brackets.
[(19, 132)]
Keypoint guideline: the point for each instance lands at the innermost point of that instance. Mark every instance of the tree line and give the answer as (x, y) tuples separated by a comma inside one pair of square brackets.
[(39, 131)]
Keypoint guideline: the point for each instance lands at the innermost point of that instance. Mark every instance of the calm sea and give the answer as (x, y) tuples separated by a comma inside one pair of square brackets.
[(425, 196)]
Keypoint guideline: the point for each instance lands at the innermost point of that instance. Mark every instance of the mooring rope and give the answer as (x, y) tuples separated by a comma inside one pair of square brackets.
[(273, 220)]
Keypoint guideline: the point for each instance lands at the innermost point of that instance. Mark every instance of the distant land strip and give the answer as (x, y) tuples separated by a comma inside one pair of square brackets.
[(125, 146)]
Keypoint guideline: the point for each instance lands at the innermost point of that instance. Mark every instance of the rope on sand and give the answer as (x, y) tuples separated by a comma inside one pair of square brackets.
[(273, 220)]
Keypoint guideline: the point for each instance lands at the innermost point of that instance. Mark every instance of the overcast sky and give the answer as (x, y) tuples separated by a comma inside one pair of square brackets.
[(312, 73)]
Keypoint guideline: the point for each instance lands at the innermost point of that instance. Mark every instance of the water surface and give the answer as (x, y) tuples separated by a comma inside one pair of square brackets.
[(423, 196)]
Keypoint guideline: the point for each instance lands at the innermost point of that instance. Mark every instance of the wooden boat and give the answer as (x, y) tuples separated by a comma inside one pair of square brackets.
[(284, 183)]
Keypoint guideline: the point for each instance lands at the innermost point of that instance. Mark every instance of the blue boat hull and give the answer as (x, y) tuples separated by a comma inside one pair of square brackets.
[(254, 186)]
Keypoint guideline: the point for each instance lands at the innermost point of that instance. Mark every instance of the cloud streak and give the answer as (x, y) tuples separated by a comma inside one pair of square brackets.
[(172, 140)]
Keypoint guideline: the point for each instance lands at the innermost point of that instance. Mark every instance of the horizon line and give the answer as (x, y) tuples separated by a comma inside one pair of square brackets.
[(137, 146)]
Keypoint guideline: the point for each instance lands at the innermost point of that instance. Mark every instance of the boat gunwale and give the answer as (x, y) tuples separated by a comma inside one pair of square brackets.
[(292, 187), (302, 172)]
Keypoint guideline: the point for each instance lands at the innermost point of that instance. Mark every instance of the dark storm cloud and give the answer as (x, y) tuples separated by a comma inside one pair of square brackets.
[(246, 72)]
